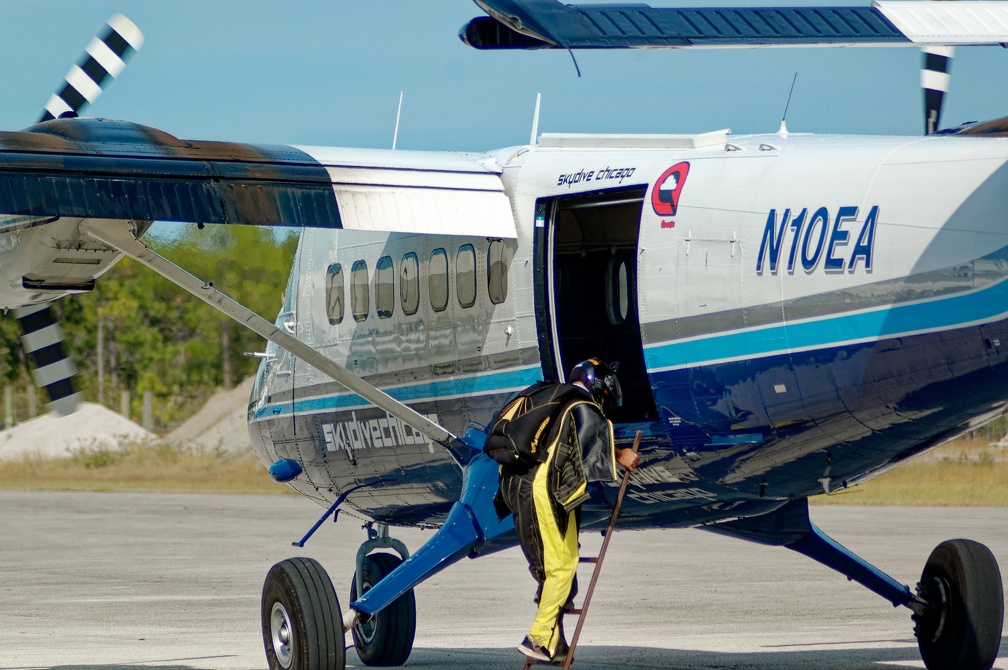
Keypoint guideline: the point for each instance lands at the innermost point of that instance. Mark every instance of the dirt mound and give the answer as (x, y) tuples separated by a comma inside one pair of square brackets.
[(221, 424), (92, 426)]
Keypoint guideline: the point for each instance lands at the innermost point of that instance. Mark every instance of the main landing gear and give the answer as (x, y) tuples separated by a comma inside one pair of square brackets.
[(960, 623), (302, 623), (958, 607)]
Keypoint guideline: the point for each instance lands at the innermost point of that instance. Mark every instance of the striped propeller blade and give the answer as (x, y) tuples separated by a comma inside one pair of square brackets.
[(105, 56), (935, 78), (42, 339)]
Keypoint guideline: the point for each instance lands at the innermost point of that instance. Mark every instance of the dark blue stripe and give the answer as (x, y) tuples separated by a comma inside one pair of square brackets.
[(984, 305)]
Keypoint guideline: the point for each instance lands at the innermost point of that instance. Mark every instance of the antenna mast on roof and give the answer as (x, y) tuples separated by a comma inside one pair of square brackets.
[(535, 120), (395, 136), (783, 132)]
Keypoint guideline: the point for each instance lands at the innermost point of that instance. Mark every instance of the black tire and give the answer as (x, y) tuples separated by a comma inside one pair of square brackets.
[(302, 625), (962, 625), (387, 637)]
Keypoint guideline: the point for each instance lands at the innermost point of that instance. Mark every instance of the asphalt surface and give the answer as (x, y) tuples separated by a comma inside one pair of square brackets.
[(173, 582)]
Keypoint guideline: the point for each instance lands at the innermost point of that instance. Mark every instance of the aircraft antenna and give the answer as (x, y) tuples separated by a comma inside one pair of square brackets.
[(576, 67), (535, 120), (395, 136), (783, 132)]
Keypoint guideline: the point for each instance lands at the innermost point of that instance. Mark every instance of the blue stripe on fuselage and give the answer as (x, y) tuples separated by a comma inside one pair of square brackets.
[(964, 309), (508, 381)]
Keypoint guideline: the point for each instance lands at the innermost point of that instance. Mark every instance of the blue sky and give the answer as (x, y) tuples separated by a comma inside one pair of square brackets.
[(329, 72)]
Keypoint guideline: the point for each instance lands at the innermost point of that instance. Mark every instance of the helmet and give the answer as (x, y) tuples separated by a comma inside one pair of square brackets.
[(601, 379)]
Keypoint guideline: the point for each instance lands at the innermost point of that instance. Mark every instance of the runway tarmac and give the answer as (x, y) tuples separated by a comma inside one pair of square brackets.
[(173, 582)]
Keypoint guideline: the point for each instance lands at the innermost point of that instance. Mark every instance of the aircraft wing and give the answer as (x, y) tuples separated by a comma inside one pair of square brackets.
[(91, 168), (541, 24)]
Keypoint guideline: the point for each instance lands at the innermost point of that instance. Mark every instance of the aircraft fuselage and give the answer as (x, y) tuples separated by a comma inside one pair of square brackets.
[(792, 314)]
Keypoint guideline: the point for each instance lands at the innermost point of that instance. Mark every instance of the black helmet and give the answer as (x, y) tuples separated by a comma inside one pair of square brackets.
[(601, 379)]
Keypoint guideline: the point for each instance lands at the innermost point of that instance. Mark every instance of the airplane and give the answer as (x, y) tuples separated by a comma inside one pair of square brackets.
[(793, 314)]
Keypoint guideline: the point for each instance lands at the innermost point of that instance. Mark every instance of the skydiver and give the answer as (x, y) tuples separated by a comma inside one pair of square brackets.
[(545, 500)]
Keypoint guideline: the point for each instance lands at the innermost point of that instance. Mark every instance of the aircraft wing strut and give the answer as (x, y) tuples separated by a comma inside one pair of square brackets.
[(545, 24), (118, 235)]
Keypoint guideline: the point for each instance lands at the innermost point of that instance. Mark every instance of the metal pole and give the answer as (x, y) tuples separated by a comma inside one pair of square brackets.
[(32, 404), (148, 411)]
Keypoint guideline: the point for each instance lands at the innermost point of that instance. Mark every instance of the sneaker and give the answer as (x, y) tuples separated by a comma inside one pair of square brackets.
[(561, 653), (533, 650)]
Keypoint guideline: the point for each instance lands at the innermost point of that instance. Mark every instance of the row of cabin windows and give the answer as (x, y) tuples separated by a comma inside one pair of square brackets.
[(409, 283)]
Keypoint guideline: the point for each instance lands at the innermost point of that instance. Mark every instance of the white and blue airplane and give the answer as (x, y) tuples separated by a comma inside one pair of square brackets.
[(793, 314)]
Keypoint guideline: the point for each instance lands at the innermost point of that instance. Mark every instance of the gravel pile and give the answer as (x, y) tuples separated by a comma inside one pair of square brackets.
[(92, 426), (222, 424)]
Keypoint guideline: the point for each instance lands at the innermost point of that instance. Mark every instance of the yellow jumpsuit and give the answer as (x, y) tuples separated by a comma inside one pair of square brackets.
[(544, 501)]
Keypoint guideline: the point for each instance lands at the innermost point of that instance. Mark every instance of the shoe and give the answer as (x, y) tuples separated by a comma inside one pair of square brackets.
[(533, 650), (561, 653)]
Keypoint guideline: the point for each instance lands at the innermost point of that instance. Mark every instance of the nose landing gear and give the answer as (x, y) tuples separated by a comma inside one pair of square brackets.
[(385, 638), (302, 623)]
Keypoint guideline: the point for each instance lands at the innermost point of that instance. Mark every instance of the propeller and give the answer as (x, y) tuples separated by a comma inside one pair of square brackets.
[(936, 63), (42, 339), (104, 59), (105, 56)]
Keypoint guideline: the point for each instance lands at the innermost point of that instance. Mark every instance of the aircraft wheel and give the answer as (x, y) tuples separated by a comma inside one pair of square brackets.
[(387, 637), (302, 626), (962, 626)]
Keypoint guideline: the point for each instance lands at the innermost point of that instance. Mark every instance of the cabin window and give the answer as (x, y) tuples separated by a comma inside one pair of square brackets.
[(334, 293), (437, 274), (409, 284), (465, 275), (384, 287), (359, 291), (617, 291), (497, 271)]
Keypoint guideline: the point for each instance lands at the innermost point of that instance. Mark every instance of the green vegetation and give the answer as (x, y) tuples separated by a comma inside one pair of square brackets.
[(157, 467), (970, 471), (967, 472), (137, 332)]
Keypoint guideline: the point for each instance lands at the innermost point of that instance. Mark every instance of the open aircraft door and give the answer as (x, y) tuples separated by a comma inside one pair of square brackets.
[(586, 296)]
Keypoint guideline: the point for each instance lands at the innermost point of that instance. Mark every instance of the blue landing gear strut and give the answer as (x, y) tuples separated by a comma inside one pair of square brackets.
[(471, 525), (790, 526), (957, 606), (381, 615)]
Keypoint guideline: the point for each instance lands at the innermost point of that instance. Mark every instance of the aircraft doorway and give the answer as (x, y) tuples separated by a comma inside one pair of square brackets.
[(588, 245)]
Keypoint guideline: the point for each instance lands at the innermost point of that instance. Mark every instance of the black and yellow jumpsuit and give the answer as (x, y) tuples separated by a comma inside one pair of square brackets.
[(544, 500)]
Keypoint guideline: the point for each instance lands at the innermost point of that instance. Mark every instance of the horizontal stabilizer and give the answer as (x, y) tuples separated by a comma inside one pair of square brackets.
[(529, 24)]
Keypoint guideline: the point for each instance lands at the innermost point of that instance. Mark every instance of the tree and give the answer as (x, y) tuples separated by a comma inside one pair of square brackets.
[(139, 332)]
